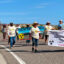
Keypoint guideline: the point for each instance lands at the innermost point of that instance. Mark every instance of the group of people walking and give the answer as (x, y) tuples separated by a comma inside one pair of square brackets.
[(12, 32)]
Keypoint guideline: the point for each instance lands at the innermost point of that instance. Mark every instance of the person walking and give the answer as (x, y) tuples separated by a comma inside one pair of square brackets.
[(35, 36), (12, 34)]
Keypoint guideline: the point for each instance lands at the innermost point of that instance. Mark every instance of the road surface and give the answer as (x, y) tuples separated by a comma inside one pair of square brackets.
[(22, 54)]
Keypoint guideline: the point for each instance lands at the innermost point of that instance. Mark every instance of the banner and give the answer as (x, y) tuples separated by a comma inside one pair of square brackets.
[(56, 38), (24, 33)]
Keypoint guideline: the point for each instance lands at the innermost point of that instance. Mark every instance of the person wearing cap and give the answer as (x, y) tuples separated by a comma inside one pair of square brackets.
[(35, 36), (60, 25), (12, 34), (47, 28)]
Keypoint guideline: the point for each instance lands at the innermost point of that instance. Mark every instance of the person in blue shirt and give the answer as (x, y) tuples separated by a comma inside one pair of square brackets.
[(60, 25)]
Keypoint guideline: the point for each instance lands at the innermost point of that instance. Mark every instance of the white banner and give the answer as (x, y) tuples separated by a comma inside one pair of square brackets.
[(56, 38)]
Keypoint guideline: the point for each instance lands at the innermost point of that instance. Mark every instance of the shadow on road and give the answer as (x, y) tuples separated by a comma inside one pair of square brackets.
[(47, 51), (20, 45), (19, 51), (39, 51)]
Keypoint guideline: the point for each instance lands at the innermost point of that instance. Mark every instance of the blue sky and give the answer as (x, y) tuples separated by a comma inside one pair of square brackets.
[(28, 11)]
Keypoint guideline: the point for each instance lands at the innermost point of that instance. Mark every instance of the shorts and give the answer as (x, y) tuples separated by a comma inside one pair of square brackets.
[(46, 37), (34, 42)]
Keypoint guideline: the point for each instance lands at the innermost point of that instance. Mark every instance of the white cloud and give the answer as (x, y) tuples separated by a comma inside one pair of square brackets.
[(42, 5)]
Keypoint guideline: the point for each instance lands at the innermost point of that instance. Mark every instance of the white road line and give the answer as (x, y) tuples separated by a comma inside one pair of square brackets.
[(14, 55)]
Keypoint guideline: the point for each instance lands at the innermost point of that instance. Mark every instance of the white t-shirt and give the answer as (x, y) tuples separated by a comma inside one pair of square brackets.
[(48, 28), (34, 32), (12, 31)]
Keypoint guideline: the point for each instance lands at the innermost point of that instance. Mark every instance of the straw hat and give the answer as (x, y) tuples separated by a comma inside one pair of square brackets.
[(35, 23)]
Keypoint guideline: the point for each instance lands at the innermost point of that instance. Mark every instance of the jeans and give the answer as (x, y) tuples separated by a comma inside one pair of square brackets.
[(12, 41), (34, 42)]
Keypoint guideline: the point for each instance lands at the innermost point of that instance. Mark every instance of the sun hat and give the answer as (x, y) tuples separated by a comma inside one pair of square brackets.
[(35, 23)]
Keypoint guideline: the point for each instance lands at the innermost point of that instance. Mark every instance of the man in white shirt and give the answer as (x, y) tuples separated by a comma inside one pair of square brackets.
[(12, 34), (35, 36)]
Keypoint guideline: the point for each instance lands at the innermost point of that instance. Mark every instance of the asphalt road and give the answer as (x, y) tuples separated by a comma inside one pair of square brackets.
[(46, 54)]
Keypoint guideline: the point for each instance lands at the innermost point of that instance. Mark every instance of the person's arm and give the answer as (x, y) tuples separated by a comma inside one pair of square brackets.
[(53, 28), (38, 30), (32, 30)]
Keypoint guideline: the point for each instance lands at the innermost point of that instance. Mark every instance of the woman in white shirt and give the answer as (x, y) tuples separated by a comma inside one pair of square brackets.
[(47, 28), (35, 36)]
